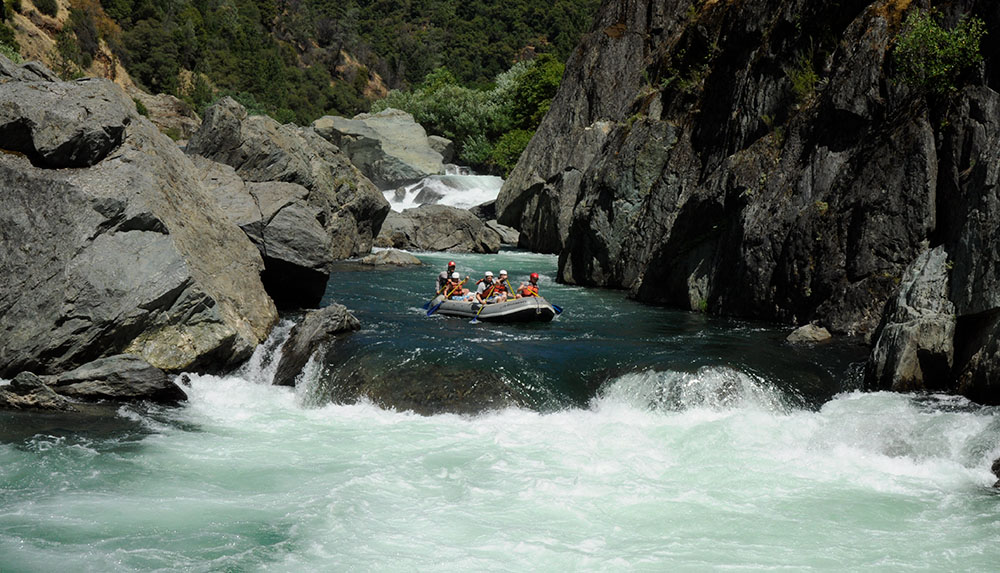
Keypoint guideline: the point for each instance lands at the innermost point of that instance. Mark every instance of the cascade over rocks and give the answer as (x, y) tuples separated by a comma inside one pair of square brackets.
[(127, 256), (350, 208), (389, 147), (688, 159), (437, 228), (318, 329)]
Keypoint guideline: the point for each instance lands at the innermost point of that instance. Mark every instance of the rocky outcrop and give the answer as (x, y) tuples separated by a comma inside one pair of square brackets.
[(391, 257), (129, 255), (172, 116), (119, 378), (28, 392), (284, 225), (762, 160), (914, 346), (809, 334), (437, 228), (388, 147), (351, 208), (87, 125), (317, 330)]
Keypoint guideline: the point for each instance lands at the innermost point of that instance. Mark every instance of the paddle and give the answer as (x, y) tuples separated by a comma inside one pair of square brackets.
[(428, 303), (486, 295), (452, 291)]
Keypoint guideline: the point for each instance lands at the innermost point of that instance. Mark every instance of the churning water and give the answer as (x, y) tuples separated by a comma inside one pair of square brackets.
[(457, 188), (656, 441)]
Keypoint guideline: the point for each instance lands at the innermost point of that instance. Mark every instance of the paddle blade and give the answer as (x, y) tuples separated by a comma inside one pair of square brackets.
[(434, 308), (557, 309)]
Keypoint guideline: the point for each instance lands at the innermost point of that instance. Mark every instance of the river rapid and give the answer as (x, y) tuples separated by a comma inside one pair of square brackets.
[(654, 440)]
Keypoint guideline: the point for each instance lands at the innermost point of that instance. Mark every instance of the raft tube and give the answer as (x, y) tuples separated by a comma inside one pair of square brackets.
[(527, 309)]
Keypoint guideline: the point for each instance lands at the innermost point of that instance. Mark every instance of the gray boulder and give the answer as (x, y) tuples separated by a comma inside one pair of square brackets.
[(284, 225), (444, 146), (28, 392), (119, 378), (389, 147), (809, 334), (261, 150), (127, 256), (914, 345), (391, 257), (317, 330), (437, 228), (87, 125)]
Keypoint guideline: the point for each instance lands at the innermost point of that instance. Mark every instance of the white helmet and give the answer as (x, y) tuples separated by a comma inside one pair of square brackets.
[(489, 273), (502, 272), (455, 275)]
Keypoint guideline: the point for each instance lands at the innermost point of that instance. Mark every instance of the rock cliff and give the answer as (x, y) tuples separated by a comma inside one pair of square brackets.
[(764, 160), (110, 244)]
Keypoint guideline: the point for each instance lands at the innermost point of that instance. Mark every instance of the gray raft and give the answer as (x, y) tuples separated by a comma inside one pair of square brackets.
[(527, 309)]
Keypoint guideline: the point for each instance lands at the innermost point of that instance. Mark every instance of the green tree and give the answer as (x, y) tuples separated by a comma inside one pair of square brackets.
[(931, 58)]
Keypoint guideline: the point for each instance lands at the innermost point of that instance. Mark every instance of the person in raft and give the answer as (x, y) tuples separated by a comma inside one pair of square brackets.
[(484, 288), (503, 285), (530, 289), (454, 291), (443, 278)]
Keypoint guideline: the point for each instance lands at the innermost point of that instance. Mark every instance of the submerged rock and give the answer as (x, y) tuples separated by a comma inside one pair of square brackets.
[(437, 228), (391, 257), (129, 255)]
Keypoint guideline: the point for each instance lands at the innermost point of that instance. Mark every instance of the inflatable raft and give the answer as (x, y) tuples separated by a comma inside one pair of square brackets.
[(528, 309)]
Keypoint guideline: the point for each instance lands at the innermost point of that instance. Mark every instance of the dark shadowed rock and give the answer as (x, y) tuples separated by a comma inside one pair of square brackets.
[(120, 378), (88, 123), (437, 228), (129, 255), (262, 150), (391, 257), (28, 392), (317, 329), (388, 147)]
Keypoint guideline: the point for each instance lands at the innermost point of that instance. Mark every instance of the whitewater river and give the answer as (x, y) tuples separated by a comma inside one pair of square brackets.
[(655, 440)]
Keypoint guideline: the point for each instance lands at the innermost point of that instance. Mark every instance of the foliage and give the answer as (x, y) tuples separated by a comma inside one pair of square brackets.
[(803, 76), (47, 7), (508, 149), (8, 45), (301, 59), (490, 127), (930, 58), (140, 107)]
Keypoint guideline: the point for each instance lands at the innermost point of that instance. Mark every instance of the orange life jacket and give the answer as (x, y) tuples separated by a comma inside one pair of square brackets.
[(529, 290)]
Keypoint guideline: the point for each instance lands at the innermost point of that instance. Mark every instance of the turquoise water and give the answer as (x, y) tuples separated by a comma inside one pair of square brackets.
[(655, 441)]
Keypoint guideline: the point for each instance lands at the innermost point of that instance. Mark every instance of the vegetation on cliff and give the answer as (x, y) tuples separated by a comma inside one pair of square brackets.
[(490, 127), (297, 60)]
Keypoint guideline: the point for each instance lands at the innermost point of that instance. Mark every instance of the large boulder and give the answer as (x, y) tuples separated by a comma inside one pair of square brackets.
[(129, 255), (119, 378), (914, 346), (262, 150), (437, 228), (87, 125), (172, 116), (316, 331), (284, 225), (388, 146), (29, 392)]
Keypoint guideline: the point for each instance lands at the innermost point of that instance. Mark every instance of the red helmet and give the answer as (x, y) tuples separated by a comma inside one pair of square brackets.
[(451, 263), (534, 276)]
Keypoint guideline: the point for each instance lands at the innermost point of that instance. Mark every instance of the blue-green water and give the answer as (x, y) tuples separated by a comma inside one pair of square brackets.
[(655, 441)]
